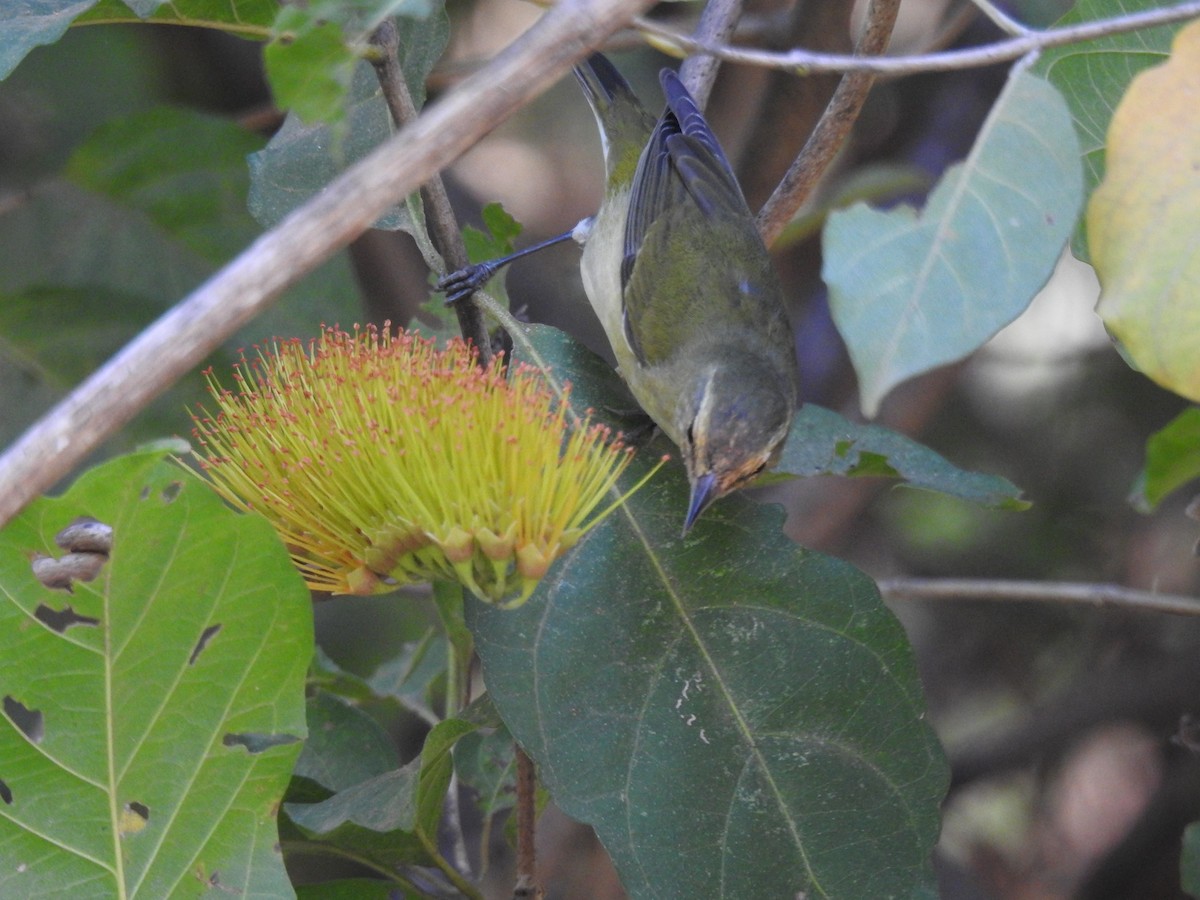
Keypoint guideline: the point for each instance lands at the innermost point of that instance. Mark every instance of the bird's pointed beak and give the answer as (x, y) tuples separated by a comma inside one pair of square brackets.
[(704, 492)]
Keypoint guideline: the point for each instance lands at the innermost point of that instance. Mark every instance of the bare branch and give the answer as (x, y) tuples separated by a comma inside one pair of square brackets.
[(183, 336), (1071, 593), (832, 129), (803, 62)]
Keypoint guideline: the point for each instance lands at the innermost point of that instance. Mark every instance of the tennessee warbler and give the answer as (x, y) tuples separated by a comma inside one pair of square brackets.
[(683, 286)]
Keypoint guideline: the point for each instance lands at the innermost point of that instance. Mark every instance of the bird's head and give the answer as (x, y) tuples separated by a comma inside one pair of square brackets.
[(735, 423)]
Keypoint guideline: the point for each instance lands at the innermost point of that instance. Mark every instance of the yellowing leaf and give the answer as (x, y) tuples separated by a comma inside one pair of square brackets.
[(1142, 221)]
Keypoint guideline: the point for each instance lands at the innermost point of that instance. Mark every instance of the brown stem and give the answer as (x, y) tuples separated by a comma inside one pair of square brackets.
[(438, 214), (526, 886), (832, 129)]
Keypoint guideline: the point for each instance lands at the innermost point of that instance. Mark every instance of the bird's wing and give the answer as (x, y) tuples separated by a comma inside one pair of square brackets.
[(683, 185)]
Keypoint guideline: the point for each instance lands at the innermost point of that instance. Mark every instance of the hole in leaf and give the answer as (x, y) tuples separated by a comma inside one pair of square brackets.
[(30, 721), (58, 574), (5, 792), (256, 743), (171, 491), (86, 535), (134, 817), (205, 636), (61, 620)]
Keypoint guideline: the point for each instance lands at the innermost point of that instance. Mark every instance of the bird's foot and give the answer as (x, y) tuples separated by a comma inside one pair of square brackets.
[(466, 281)]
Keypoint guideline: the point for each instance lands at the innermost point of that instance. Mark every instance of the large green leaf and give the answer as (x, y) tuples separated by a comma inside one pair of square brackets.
[(184, 170), (823, 443), (735, 716), (912, 291), (153, 715), (1093, 76)]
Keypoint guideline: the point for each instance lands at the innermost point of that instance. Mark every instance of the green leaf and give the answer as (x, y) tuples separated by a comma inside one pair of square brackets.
[(310, 72), (383, 817), (437, 765), (301, 159), (824, 443), (497, 241), (1172, 460), (1141, 222), (154, 203), (912, 291), (723, 708), (410, 675), (384, 804), (327, 676), (245, 18), (1093, 76), (345, 745), (486, 763), (35, 23), (161, 704), (185, 170)]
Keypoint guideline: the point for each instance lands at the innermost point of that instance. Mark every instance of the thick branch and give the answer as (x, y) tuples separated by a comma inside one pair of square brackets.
[(181, 338), (803, 62), (1071, 593)]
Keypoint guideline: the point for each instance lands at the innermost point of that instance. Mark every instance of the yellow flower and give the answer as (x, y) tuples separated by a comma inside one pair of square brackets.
[(384, 460)]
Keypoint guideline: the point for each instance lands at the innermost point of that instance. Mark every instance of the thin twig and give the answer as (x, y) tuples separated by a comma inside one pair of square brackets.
[(717, 25), (1069, 593), (439, 216), (179, 340), (804, 62), (832, 128)]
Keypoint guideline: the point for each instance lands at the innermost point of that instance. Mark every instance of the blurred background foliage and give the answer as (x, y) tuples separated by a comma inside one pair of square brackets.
[(1058, 720)]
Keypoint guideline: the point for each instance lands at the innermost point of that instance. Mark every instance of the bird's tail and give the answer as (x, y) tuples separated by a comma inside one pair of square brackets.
[(625, 125)]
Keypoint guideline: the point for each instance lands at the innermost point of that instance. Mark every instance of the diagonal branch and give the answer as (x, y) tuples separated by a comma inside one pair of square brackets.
[(833, 127), (184, 335)]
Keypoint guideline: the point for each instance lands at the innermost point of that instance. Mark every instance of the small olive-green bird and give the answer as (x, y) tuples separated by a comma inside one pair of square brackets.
[(681, 281)]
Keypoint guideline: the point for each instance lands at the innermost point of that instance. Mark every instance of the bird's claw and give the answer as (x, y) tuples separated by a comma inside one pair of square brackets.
[(466, 281)]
